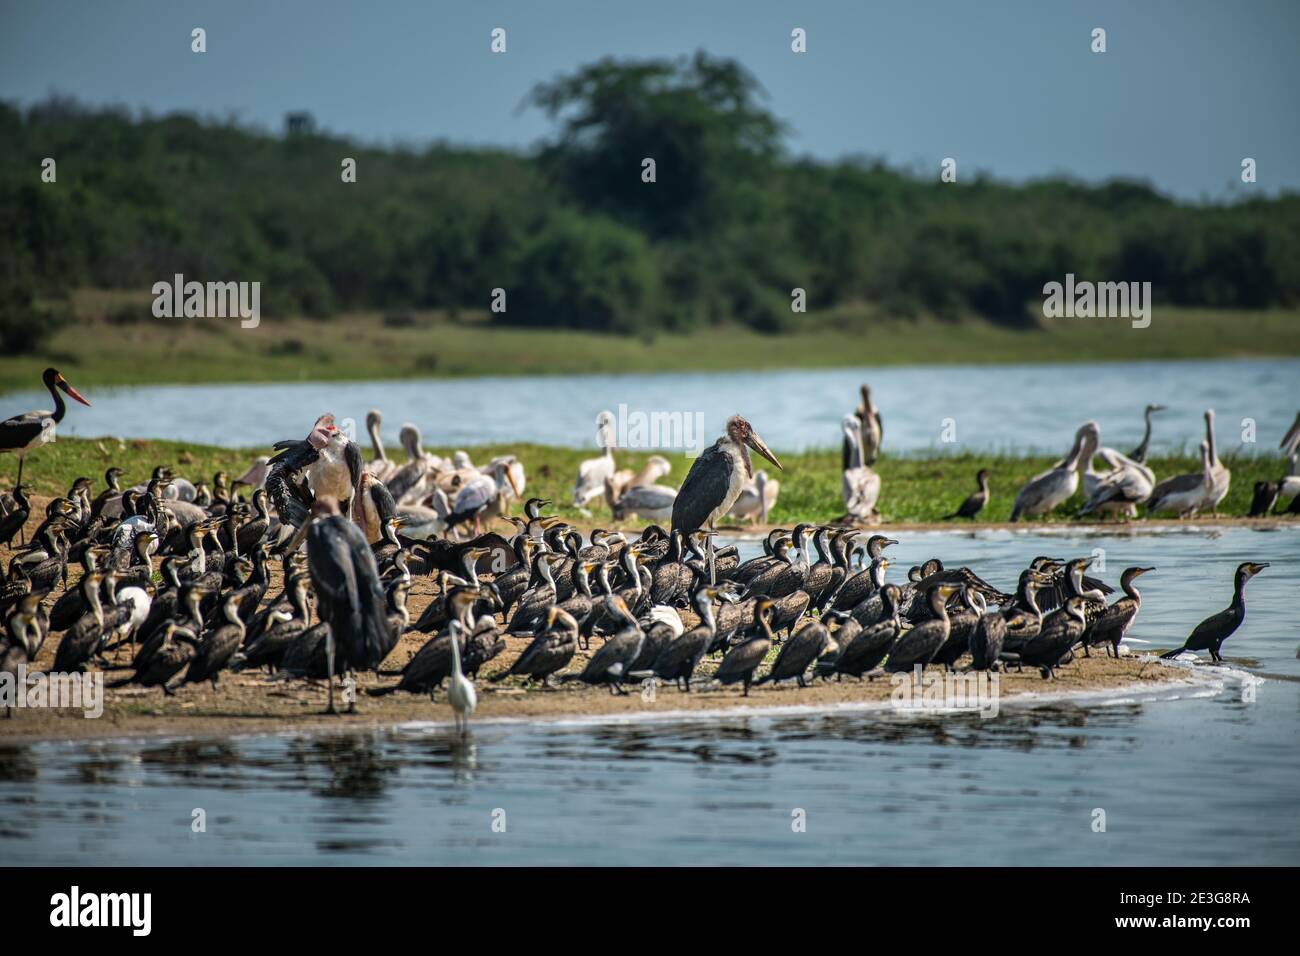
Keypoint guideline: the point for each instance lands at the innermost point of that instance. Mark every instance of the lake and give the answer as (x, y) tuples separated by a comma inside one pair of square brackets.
[(1013, 408), (1204, 775)]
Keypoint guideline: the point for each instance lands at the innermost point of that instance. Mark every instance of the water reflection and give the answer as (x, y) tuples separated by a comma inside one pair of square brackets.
[(1208, 779)]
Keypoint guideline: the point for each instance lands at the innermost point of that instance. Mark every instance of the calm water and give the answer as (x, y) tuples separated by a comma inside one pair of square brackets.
[(1015, 408), (1206, 778)]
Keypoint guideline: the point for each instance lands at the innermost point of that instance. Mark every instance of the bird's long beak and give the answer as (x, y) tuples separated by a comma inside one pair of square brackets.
[(511, 480), (756, 443), (71, 392)]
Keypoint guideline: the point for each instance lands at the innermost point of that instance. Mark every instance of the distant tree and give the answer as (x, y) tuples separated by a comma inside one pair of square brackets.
[(697, 118)]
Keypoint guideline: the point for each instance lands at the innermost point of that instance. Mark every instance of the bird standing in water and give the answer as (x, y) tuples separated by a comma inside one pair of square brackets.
[(1210, 634), (460, 693)]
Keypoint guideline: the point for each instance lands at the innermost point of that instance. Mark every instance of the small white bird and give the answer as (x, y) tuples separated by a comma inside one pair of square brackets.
[(461, 691)]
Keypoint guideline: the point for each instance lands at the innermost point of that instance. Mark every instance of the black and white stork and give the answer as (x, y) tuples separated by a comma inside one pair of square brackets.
[(716, 479), (24, 432)]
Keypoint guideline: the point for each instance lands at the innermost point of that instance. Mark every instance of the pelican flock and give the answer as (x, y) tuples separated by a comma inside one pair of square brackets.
[(301, 569)]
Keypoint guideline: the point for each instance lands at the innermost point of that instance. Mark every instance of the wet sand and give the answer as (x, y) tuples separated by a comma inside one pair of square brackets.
[(255, 702)]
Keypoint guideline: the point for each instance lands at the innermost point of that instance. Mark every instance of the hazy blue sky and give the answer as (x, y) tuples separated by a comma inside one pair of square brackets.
[(1186, 89)]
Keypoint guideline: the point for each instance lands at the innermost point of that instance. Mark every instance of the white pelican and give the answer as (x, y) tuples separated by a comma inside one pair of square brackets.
[(1058, 484), (1121, 489), (656, 467), (255, 477), (757, 499), (460, 692), (412, 481), (1184, 494), (483, 497), (861, 485), (518, 479), (380, 465), (592, 473), (1220, 476), (651, 502)]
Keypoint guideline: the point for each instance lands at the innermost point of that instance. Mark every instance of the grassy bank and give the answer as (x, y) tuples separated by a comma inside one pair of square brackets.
[(914, 490), (111, 339)]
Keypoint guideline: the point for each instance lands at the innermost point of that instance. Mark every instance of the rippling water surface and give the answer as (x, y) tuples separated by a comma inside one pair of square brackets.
[(1211, 777), (1008, 407)]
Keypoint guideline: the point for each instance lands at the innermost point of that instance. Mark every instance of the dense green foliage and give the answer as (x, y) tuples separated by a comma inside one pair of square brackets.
[(731, 224)]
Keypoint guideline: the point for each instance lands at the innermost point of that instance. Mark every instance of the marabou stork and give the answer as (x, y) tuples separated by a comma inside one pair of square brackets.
[(325, 463), (350, 599), (716, 479)]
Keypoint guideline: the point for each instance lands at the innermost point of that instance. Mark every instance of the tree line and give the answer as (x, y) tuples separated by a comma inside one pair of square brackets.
[(582, 232)]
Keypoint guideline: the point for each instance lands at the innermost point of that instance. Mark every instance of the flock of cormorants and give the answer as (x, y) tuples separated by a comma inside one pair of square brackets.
[(186, 586)]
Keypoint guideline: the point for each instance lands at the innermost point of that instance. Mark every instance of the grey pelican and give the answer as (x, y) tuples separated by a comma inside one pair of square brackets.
[(1058, 484), (1220, 477), (518, 479), (715, 480), (484, 496), (1120, 490), (757, 499), (379, 465), (329, 462), (1139, 454), (1210, 634), (24, 432), (976, 500), (255, 476), (656, 467), (870, 431), (861, 485), (592, 473), (1183, 494), (415, 479), (651, 502), (349, 596)]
